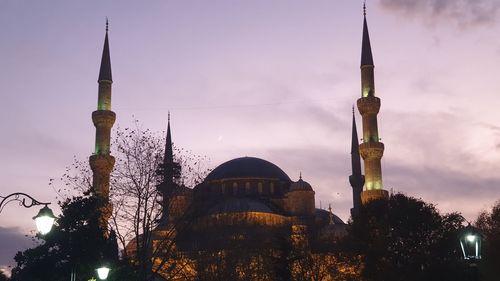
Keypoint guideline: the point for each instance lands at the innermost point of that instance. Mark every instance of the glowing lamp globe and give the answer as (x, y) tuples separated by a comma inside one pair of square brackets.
[(103, 272), (44, 220), (470, 243)]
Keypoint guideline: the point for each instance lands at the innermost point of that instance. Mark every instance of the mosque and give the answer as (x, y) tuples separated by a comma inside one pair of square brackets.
[(247, 200)]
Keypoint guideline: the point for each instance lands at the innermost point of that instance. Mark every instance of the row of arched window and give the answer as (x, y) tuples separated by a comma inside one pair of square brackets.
[(246, 188)]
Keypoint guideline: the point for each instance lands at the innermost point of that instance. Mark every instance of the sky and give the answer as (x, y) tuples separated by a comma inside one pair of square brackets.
[(273, 79)]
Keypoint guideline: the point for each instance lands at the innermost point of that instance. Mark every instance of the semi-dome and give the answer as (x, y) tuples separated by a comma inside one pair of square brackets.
[(300, 185), (247, 167)]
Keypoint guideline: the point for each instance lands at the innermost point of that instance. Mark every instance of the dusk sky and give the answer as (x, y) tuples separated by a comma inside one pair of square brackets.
[(274, 79)]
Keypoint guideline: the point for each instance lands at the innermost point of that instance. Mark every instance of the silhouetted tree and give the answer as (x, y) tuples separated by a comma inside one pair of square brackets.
[(138, 201), (136, 198), (405, 238), (3, 277), (489, 225), (75, 244)]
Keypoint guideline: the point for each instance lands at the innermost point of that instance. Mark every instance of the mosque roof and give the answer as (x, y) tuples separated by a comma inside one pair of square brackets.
[(300, 185), (238, 205), (247, 167), (324, 216)]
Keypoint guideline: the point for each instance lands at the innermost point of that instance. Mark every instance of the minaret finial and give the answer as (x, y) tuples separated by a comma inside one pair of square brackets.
[(107, 24), (169, 116), (300, 175), (366, 49), (364, 8), (330, 213)]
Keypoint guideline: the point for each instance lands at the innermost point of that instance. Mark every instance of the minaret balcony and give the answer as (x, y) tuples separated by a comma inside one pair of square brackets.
[(102, 164), (368, 105), (371, 150), (103, 118)]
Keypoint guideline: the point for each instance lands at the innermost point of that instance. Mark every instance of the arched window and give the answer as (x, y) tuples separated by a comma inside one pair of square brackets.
[(247, 188), (271, 188), (235, 188), (259, 187)]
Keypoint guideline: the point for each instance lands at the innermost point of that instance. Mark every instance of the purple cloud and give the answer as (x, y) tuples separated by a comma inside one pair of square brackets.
[(464, 13), (13, 240)]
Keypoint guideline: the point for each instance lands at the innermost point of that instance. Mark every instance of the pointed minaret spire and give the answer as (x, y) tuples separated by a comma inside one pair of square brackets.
[(356, 179), (105, 71), (369, 105), (366, 50), (169, 152), (102, 162), (166, 188), (355, 157)]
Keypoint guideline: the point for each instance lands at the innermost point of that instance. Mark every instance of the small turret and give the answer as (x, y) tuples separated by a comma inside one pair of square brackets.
[(299, 200)]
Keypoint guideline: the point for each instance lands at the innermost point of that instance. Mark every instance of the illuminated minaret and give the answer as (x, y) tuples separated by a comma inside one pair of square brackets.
[(371, 149), (101, 162), (357, 180)]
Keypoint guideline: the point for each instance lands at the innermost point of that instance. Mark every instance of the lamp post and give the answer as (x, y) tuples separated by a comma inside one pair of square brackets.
[(45, 218)]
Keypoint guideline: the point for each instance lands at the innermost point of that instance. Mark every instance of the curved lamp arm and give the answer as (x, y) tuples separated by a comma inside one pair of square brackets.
[(24, 200)]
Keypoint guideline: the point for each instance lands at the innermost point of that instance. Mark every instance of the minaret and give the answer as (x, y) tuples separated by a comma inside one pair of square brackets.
[(101, 162), (356, 179), (166, 188), (369, 105)]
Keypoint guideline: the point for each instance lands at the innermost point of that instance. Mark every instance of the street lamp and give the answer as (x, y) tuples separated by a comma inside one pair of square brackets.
[(103, 272), (45, 218), (470, 243)]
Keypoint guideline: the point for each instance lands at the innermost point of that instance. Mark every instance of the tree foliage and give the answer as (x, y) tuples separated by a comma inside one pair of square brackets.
[(137, 199), (405, 238), (3, 277), (135, 195), (75, 244), (489, 226)]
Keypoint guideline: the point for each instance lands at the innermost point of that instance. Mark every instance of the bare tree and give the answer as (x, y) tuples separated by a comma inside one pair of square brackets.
[(137, 202)]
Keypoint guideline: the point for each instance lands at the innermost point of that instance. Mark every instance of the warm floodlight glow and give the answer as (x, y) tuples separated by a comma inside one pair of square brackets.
[(44, 220), (103, 272)]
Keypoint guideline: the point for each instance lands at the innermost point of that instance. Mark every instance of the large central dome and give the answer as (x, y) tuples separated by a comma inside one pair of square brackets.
[(247, 167)]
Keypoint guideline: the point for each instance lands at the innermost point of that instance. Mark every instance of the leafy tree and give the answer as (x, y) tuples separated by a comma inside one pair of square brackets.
[(405, 238), (3, 277), (75, 244), (489, 225), (326, 266)]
